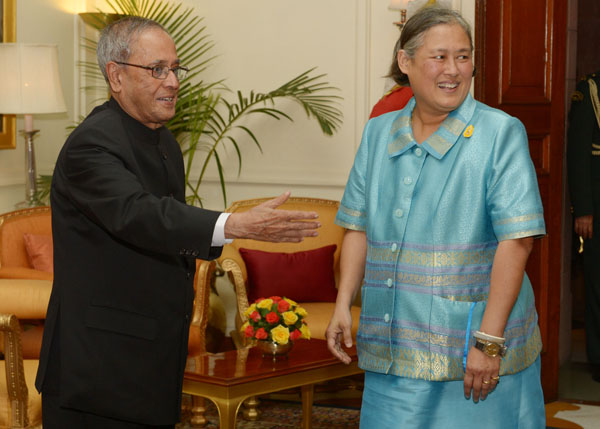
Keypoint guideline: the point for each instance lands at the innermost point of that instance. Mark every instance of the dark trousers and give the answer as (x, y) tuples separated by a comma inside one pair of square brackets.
[(591, 262), (56, 417)]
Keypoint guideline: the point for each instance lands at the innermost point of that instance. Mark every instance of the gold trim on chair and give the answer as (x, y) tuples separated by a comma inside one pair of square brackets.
[(15, 373), (236, 206)]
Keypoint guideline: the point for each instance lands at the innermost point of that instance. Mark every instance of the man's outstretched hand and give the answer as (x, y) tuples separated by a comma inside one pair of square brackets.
[(266, 223)]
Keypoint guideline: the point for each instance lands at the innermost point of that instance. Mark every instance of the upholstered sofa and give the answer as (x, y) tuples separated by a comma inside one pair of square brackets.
[(251, 263)]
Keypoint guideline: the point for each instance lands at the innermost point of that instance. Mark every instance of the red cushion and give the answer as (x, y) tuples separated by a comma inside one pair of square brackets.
[(39, 251), (302, 276)]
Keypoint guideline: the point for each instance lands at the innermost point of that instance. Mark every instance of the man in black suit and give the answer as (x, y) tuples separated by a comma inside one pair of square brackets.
[(125, 243), (583, 169)]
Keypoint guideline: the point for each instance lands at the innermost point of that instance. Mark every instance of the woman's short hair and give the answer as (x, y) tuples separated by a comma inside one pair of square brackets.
[(414, 31), (117, 38)]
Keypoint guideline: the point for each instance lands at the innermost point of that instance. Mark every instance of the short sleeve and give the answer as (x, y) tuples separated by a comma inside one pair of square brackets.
[(513, 197), (352, 213)]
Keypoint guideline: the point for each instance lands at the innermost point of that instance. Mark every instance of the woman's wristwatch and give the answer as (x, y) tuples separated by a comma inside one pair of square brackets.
[(489, 344)]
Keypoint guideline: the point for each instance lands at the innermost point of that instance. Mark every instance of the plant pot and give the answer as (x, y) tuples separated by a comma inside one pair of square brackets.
[(274, 350)]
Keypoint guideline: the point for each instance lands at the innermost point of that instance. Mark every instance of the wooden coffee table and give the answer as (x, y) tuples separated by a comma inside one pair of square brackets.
[(229, 378)]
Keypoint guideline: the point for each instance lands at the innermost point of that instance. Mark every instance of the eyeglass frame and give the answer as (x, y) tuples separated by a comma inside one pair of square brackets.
[(152, 68)]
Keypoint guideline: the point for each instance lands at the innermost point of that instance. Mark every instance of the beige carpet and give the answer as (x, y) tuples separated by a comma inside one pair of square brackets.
[(566, 415)]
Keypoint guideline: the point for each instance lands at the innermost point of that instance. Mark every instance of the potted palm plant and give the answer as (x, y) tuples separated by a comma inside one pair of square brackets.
[(210, 116)]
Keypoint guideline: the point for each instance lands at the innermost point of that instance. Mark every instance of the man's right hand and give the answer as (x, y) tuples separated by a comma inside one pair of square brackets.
[(266, 223), (584, 226)]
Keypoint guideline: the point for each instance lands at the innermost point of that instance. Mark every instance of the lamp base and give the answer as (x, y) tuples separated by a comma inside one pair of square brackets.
[(30, 172)]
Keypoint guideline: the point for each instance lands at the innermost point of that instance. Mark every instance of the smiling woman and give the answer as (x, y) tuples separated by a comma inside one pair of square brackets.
[(7, 34), (441, 207)]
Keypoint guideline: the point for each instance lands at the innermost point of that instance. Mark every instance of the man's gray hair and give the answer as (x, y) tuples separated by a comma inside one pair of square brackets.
[(117, 38)]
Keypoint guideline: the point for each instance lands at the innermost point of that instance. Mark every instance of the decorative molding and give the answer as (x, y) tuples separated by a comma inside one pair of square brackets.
[(8, 124)]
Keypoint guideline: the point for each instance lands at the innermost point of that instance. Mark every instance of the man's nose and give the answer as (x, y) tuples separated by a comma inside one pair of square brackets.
[(171, 80)]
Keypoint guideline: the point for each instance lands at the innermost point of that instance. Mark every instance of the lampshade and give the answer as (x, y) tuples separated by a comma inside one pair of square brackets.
[(29, 81), (398, 4)]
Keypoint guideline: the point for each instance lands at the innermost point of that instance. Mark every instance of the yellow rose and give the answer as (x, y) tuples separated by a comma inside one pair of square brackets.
[(250, 310), (301, 311), (289, 317), (305, 332), (265, 303), (280, 334), (291, 302), (244, 326)]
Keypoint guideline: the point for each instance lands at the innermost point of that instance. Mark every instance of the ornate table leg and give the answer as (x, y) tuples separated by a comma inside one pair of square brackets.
[(198, 420), (251, 411), (227, 411), (308, 393)]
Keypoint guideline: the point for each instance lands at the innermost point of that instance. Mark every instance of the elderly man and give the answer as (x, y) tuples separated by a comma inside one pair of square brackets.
[(115, 341)]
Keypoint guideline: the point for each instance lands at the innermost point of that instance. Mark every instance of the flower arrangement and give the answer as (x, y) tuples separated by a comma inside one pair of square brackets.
[(275, 319)]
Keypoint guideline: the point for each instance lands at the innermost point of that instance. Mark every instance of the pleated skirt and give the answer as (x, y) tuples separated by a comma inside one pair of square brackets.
[(390, 401)]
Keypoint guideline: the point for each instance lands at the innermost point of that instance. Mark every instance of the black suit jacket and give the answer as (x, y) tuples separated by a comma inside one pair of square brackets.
[(583, 151), (125, 243)]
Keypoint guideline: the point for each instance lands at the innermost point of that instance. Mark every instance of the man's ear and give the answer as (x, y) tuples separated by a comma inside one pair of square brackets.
[(403, 61), (114, 73)]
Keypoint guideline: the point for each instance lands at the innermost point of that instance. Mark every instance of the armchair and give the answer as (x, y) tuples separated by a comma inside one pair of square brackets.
[(14, 261), (18, 277), (232, 262), (20, 404)]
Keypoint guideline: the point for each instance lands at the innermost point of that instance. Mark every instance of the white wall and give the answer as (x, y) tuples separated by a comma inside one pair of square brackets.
[(260, 45)]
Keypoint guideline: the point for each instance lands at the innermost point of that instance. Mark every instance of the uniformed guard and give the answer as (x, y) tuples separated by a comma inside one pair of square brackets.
[(583, 166)]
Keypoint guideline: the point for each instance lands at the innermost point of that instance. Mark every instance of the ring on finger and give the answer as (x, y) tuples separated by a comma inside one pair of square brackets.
[(496, 378), (486, 381)]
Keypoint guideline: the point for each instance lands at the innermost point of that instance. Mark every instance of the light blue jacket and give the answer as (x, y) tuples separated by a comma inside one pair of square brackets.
[(434, 214)]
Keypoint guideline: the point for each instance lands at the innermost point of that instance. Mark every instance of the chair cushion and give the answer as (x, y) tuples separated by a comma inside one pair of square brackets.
[(39, 251), (305, 276), (319, 315)]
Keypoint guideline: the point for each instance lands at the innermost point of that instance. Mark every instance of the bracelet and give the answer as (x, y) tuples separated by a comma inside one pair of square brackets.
[(488, 337)]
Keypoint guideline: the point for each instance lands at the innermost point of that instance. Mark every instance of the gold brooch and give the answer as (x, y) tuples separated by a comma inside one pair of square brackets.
[(468, 131)]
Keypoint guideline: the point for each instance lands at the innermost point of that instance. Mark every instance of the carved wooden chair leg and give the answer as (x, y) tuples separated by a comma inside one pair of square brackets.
[(198, 419), (251, 411)]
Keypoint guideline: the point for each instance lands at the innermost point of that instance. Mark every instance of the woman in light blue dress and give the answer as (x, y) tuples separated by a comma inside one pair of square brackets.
[(441, 209)]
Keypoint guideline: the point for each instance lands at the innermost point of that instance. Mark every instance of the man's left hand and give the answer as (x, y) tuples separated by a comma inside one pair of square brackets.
[(267, 223)]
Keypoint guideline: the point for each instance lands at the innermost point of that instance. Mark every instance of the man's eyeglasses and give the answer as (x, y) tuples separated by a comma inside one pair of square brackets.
[(161, 72)]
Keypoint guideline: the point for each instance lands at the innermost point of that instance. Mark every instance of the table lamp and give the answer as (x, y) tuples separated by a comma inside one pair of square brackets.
[(30, 84)]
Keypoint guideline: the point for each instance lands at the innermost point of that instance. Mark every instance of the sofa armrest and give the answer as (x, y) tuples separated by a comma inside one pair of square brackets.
[(15, 372), (26, 299), (232, 264), (205, 278)]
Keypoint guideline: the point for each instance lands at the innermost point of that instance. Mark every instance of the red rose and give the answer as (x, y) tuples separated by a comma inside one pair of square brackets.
[(295, 334), (283, 306), (249, 331), (276, 298), (261, 334), (272, 317), (255, 316)]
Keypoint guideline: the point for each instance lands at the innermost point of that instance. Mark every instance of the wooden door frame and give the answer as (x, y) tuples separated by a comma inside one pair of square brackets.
[(548, 251)]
